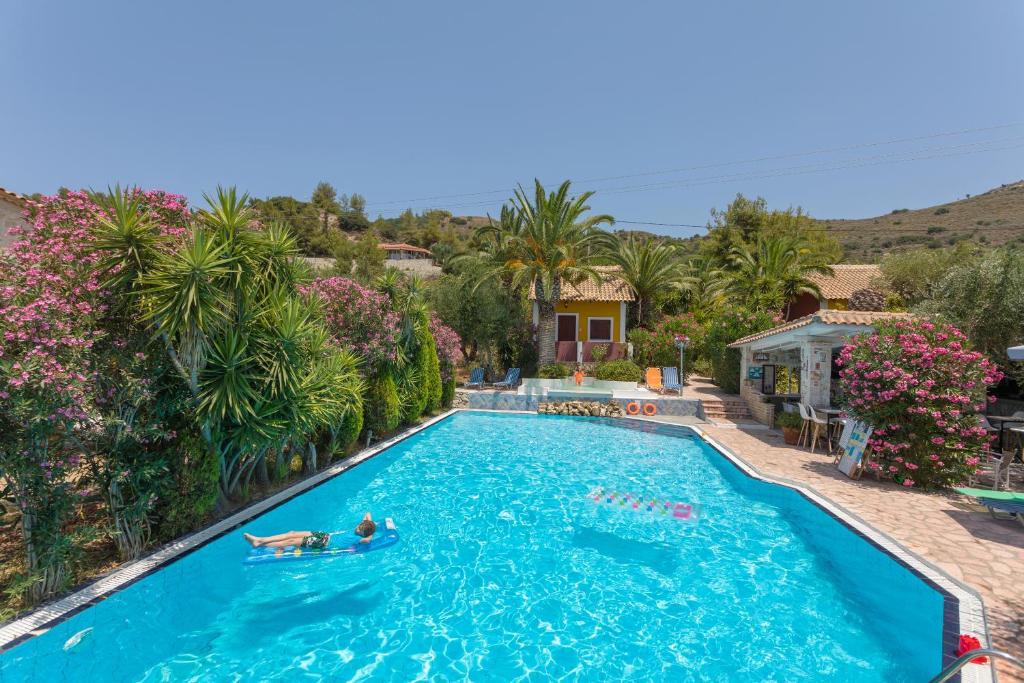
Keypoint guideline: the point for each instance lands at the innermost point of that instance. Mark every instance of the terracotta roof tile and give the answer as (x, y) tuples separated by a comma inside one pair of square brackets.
[(13, 197), (846, 280), (611, 288), (827, 317)]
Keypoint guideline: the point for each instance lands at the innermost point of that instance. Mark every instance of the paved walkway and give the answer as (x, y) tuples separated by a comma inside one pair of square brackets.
[(946, 528)]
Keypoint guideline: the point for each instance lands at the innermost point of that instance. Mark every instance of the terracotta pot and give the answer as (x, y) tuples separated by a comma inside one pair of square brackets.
[(790, 435)]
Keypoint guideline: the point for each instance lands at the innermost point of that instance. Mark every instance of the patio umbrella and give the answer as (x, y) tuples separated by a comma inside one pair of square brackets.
[(1015, 352)]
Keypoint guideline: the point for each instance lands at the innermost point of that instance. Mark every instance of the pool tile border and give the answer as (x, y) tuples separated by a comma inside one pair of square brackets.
[(963, 609), (46, 617)]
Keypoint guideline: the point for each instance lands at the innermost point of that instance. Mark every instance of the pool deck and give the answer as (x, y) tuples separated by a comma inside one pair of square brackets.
[(945, 529)]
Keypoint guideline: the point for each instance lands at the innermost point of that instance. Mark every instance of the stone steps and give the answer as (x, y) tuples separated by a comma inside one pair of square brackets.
[(727, 409)]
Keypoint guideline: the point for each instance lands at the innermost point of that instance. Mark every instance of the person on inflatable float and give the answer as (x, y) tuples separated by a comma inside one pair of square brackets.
[(315, 540)]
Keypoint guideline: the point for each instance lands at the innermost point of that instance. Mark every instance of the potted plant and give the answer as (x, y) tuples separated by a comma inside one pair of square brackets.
[(790, 424)]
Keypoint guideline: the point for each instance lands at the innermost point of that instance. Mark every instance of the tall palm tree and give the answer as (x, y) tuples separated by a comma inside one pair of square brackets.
[(543, 242), (702, 286), (649, 267), (774, 271)]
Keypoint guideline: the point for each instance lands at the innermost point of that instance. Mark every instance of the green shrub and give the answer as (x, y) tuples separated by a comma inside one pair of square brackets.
[(935, 229), (792, 420), (619, 371), (941, 210), (657, 347), (598, 352), (431, 371), (448, 393), (381, 408), (728, 325), (554, 371), (349, 430), (412, 396), (192, 495)]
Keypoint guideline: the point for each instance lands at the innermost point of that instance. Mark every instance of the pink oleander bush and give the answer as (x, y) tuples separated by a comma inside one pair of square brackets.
[(359, 319), (54, 314), (449, 346), (921, 387)]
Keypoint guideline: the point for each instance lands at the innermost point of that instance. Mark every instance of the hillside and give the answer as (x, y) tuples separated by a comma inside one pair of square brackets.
[(993, 218)]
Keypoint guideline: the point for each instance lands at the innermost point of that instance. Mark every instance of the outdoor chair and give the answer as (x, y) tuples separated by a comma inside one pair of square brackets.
[(820, 428), (994, 467), (805, 428), (511, 379), (476, 379), (672, 382), (653, 379)]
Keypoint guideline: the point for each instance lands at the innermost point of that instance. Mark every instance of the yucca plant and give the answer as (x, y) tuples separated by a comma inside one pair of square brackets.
[(224, 304)]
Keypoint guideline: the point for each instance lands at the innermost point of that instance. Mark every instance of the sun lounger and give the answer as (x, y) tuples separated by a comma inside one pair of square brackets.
[(1009, 502), (476, 379), (672, 379), (511, 379), (653, 379)]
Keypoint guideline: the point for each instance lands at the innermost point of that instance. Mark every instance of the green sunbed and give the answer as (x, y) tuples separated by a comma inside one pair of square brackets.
[(1010, 496)]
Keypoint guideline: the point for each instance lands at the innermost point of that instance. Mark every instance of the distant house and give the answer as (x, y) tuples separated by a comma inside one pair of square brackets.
[(590, 314), (406, 257), (836, 289), (399, 251), (12, 205)]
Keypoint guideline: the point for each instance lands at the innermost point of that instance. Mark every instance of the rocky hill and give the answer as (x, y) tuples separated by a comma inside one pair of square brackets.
[(993, 218)]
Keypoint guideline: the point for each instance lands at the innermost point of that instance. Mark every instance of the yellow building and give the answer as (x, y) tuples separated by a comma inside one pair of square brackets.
[(588, 314)]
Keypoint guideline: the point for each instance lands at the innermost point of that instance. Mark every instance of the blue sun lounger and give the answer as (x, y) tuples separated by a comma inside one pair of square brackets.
[(511, 379), (670, 379), (476, 379)]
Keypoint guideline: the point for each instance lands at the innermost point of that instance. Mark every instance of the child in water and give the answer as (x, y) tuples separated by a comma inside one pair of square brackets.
[(315, 540)]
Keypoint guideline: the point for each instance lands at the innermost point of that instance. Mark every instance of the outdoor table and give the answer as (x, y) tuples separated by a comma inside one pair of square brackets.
[(1002, 420), (829, 413)]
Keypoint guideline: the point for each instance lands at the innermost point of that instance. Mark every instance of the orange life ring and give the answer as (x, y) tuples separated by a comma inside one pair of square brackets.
[(633, 408), (650, 409)]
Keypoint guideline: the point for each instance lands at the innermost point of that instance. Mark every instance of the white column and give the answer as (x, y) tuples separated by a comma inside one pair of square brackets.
[(622, 322), (816, 373), (744, 365)]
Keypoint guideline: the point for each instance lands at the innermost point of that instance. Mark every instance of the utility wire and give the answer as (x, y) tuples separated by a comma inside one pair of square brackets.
[(876, 160), (776, 157)]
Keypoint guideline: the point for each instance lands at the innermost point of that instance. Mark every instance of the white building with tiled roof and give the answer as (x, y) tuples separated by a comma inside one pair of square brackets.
[(802, 349)]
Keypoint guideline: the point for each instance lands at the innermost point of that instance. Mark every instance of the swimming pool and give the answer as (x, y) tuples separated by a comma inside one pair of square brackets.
[(508, 571)]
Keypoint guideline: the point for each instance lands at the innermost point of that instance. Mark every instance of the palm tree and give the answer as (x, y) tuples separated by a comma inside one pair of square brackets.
[(542, 243), (773, 272), (649, 267), (703, 287)]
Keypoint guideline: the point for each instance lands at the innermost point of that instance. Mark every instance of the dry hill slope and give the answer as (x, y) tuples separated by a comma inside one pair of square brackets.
[(993, 218)]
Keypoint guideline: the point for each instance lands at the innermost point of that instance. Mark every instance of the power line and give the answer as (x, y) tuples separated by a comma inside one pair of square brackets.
[(776, 157), (805, 169)]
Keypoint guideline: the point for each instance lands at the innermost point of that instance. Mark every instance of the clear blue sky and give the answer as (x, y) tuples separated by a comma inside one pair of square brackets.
[(403, 100)]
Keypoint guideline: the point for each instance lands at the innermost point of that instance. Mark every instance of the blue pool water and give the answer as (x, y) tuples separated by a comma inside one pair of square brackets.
[(507, 571)]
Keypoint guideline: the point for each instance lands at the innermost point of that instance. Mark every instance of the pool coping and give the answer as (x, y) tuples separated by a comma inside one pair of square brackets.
[(970, 610), (966, 616), (50, 615)]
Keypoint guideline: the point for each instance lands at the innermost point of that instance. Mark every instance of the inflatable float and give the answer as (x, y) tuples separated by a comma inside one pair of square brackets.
[(343, 543), (659, 507)]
